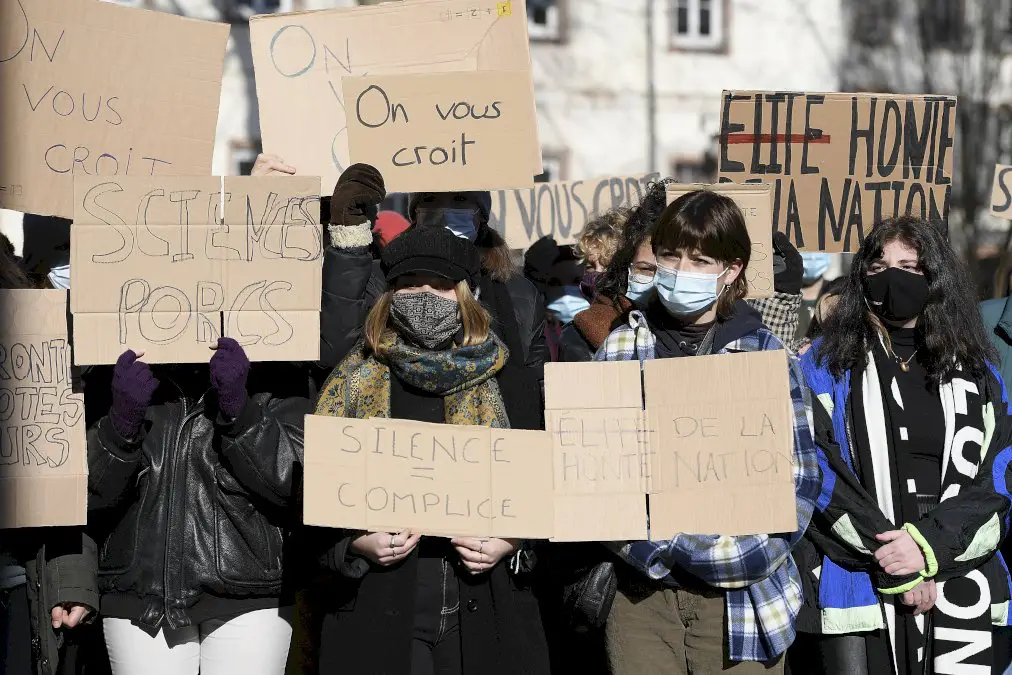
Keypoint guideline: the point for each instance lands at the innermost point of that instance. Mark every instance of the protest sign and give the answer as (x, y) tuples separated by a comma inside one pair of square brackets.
[(443, 132), (561, 209), (1001, 192), (168, 265), (301, 59), (92, 88), (600, 450), (43, 452), (755, 202), (839, 163), (722, 450), (386, 475)]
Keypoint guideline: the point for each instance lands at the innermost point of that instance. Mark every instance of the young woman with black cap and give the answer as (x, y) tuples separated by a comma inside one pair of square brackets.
[(420, 605), (921, 418)]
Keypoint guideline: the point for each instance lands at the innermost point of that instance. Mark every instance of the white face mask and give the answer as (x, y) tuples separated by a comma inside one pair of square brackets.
[(639, 287), (59, 277), (687, 293)]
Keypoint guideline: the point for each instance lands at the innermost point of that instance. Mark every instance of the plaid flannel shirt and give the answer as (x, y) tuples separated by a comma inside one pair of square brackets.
[(757, 572), (780, 314)]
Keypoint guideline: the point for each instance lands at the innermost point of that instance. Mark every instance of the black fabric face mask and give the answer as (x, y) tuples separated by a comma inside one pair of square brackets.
[(895, 294)]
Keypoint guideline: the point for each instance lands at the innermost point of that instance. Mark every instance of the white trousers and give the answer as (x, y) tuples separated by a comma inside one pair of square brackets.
[(255, 643)]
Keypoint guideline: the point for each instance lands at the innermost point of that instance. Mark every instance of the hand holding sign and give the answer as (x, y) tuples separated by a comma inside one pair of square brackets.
[(481, 555), (385, 548), (271, 165)]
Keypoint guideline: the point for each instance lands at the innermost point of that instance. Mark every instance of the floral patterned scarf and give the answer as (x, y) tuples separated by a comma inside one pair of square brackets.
[(359, 387)]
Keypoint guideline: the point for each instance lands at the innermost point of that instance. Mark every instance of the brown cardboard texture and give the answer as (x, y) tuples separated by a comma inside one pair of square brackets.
[(442, 132), (301, 59), (43, 451), (600, 450), (723, 445), (1001, 192), (755, 201), (561, 209), (167, 265), (839, 163), (387, 475), (89, 87)]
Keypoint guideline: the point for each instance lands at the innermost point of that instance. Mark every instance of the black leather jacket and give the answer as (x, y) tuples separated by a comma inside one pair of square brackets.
[(186, 511)]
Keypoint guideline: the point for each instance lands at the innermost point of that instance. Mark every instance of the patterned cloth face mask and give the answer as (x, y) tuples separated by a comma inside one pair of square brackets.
[(427, 319)]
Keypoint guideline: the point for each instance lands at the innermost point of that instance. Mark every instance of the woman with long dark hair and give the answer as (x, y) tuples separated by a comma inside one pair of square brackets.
[(697, 604), (921, 419)]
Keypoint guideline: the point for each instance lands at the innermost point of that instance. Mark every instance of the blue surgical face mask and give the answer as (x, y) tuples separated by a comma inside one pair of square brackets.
[(461, 222), (816, 266), (686, 293), (568, 302), (639, 288), (59, 277)]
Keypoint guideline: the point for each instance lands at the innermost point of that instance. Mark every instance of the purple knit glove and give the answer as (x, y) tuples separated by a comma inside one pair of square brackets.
[(133, 385), (229, 368)]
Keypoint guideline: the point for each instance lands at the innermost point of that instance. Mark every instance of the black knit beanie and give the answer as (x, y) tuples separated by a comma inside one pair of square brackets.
[(434, 251)]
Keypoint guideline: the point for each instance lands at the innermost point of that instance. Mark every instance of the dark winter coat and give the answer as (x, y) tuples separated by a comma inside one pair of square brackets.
[(188, 522), (60, 565)]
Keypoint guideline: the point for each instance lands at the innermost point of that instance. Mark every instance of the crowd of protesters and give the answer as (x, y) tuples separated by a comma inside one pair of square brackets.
[(195, 560)]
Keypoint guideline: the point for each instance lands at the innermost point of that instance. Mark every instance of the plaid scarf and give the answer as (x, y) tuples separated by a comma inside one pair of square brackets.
[(359, 387), (761, 582)]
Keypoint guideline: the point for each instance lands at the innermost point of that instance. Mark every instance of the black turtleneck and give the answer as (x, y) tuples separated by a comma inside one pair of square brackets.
[(917, 419), (675, 336)]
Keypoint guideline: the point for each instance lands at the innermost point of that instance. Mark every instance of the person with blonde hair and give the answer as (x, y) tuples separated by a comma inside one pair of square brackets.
[(422, 605), (598, 244)]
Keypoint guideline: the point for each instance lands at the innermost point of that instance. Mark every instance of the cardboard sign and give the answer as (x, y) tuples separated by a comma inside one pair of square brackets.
[(443, 132), (301, 59), (712, 452), (169, 265), (562, 209), (43, 451), (92, 88), (600, 450), (839, 163), (1001, 193), (723, 445), (755, 201), (385, 475)]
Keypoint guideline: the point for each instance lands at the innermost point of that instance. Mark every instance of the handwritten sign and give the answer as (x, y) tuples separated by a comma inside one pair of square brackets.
[(561, 209), (1001, 192), (723, 449), (443, 132), (600, 449), (43, 452), (300, 61), (839, 163), (92, 88), (438, 479), (169, 265), (755, 202)]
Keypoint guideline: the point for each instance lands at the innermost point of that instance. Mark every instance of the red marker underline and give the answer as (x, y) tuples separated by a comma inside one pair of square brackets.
[(738, 139)]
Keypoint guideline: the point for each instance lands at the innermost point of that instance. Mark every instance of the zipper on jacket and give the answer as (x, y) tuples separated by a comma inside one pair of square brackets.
[(173, 465)]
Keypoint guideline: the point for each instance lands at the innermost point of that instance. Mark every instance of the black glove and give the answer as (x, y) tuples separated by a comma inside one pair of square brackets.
[(789, 280), (359, 189)]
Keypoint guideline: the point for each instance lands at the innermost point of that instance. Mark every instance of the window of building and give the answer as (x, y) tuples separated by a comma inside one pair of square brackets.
[(545, 19), (695, 170), (872, 21), (243, 156), (698, 24), (943, 23), (552, 164)]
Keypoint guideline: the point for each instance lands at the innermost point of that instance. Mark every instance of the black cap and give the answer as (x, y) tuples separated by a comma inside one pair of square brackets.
[(433, 250)]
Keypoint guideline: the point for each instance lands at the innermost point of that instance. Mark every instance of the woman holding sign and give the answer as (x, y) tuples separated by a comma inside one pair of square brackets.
[(702, 603), (921, 420), (395, 602)]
